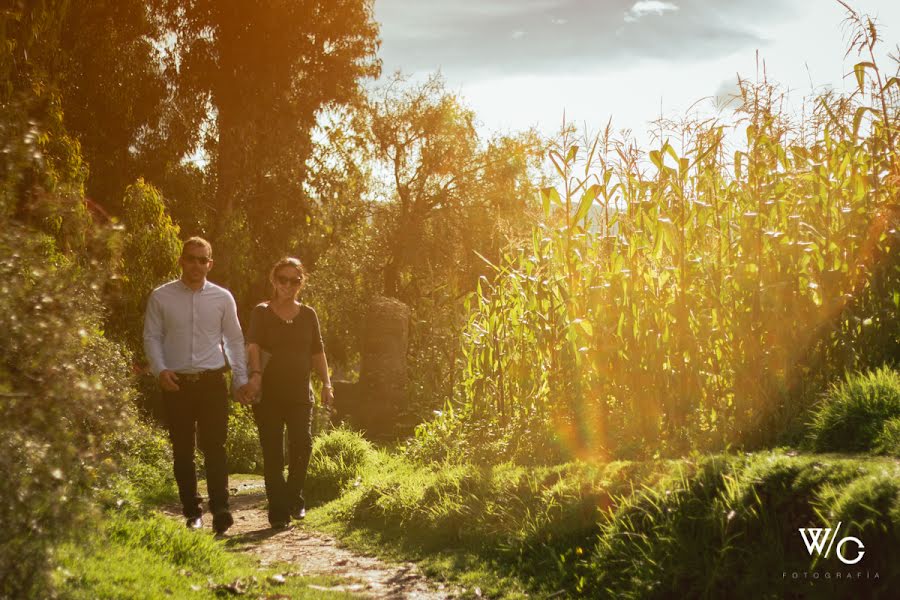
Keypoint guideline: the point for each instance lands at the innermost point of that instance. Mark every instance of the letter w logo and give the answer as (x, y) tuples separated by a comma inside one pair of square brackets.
[(815, 539)]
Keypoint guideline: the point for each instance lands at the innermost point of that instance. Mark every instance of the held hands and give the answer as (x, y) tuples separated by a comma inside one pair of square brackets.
[(328, 399), (249, 392)]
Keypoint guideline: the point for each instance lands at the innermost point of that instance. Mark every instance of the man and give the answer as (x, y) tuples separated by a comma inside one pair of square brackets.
[(190, 327)]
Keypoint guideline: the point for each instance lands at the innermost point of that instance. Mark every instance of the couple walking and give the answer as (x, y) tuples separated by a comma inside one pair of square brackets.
[(190, 329)]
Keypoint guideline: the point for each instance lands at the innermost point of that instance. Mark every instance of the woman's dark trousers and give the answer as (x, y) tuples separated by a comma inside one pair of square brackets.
[(285, 496), (199, 410)]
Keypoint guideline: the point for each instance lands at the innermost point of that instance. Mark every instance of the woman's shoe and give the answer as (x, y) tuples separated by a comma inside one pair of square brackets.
[(222, 521)]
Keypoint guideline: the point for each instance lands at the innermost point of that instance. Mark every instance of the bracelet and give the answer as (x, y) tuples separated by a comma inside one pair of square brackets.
[(252, 373), (327, 386)]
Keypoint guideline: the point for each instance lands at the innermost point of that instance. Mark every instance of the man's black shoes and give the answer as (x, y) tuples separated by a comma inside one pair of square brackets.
[(194, 523), (299, 513), (222, 521)]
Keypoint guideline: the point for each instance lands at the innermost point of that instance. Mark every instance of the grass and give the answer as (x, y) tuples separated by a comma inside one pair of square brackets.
[(860, 413), (707, 526), (152, 556)]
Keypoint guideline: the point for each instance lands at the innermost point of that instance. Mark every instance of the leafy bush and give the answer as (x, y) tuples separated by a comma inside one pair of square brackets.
[(888, 441), (338, 458), (63, 388), (148, 258), (526, 440), (242, 445), (856, 414), (143, 461)]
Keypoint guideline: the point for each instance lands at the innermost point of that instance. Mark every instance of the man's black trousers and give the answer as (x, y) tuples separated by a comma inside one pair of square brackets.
[(199, 410)]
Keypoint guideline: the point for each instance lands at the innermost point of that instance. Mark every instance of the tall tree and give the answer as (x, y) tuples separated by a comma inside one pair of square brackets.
[(267, 69), (449, 192), (115, 97)]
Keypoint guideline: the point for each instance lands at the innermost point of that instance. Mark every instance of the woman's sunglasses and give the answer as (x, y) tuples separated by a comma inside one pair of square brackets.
[(289, 280)]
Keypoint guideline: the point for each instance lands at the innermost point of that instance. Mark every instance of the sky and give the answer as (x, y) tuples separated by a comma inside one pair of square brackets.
[(523, 63)]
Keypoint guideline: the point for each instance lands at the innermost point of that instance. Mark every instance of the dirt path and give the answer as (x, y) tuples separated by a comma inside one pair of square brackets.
[(313, 553)]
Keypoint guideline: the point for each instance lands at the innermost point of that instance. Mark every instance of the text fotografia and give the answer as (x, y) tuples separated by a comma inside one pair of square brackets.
[(835, 575)]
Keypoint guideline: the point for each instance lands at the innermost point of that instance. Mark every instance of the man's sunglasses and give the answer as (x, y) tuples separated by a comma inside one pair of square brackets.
[(202, 260), (289, 280)]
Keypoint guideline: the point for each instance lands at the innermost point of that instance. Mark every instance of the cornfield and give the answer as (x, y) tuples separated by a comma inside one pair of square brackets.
[(697, 296)]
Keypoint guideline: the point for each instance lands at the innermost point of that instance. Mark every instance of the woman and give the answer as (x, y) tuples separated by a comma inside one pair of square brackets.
[(283, 345)]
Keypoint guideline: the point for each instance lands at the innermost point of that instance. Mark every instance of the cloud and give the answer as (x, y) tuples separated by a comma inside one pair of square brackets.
[(475, 39), (728, 94), (648, 7)]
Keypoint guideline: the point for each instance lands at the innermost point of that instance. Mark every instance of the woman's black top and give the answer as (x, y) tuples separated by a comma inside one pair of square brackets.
[(291, 344)]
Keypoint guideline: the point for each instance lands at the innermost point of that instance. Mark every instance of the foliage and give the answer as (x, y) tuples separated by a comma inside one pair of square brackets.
[(445, 195), (63, 388), (242, 445), (141, 454), (139, 555), (527, 440), (31, 35), (110, 63), (731, 527), (339, 457), (888, 441), (706, 527), (672, 301), (149, 257), (266, 99), (855, 414), (41, 171), (448, 189)]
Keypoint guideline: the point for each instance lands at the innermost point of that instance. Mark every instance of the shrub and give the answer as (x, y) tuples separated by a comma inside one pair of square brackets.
[(63, 388), (242, 445), (855, 412), (149, 254), (143, 456), (338, 458), (888, 441)]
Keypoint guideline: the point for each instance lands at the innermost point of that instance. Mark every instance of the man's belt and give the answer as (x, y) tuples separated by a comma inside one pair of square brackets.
[(198, 377)]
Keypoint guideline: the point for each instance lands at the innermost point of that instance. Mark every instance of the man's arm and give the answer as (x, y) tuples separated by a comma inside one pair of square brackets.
[(233, 342), (153, 345), (153, 335)]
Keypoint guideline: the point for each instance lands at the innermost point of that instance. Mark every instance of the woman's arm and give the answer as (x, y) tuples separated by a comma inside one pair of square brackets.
[(320, 364)]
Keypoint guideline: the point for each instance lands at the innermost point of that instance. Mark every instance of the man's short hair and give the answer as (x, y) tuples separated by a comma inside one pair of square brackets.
[(196, 241)]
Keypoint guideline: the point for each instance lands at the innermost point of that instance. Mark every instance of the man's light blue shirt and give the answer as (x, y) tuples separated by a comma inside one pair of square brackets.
[(188, 332)]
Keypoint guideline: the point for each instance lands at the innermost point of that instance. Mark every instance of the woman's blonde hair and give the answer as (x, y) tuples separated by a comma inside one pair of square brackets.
[(287, 261)]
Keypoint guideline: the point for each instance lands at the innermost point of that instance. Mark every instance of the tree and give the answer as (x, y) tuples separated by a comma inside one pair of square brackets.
[(447, 193), (115, 97), (267, 70), (446, 199)]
